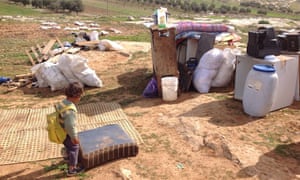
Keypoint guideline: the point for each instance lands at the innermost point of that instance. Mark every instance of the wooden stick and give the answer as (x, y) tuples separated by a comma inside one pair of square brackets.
[(59, 42), (48, 47), (22, 85), (23, 75), (30, 58)]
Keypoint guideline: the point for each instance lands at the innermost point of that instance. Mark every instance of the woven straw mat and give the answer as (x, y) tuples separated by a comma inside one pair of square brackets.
[(24, 138)]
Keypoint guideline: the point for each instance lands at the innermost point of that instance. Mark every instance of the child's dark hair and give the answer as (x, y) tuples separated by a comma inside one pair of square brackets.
[(75, 89)]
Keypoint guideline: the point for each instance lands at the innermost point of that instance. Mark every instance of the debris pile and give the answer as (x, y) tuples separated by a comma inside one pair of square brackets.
[(55, 64), (18, 81), (69, 68)]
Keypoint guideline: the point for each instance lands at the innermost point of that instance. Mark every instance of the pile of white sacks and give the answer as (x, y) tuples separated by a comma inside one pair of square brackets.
[(215, 69), (65, 69)]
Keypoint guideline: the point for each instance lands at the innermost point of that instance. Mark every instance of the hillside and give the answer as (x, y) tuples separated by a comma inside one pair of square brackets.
[(178, 8), (280, 9)]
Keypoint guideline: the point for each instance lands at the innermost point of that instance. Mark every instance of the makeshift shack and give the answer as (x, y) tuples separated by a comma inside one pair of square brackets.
[(178, 49), (193, 40)]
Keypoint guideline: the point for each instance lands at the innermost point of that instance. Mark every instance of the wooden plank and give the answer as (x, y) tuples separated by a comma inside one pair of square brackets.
[(164, 62), (30, 58), (126, 54), (34, 53), (48, 47), (88, 43), (42, 53), (59, 42), (18, 85), (12, 89), (39, 48), (18, 76), (73, 50)]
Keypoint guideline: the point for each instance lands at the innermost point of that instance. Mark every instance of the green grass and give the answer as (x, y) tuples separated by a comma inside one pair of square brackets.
[(124, 9), (142, 37), (218, 3), (270, 139), (63, 168), (13, 10), (263, 22), (283, 15), (119, 8)]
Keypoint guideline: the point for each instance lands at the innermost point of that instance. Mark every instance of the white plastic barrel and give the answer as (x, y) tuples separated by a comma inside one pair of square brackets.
[(169, 86), (259, 90)]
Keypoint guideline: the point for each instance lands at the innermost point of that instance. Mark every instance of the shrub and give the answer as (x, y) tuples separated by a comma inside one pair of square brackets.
[(263, 22)]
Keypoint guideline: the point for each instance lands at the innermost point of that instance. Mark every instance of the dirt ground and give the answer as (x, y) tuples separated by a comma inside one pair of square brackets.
[(198, 136)]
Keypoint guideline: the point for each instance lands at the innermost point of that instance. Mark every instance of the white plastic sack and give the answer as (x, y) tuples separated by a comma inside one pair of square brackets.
[(37, 71), (202, 79), (108, 45), (64, 62), (90, 78), (94, 36), (212, 59), (52, 75), (78, 63), (226, 70), (207, 69), (53, 59), (82, 71)]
